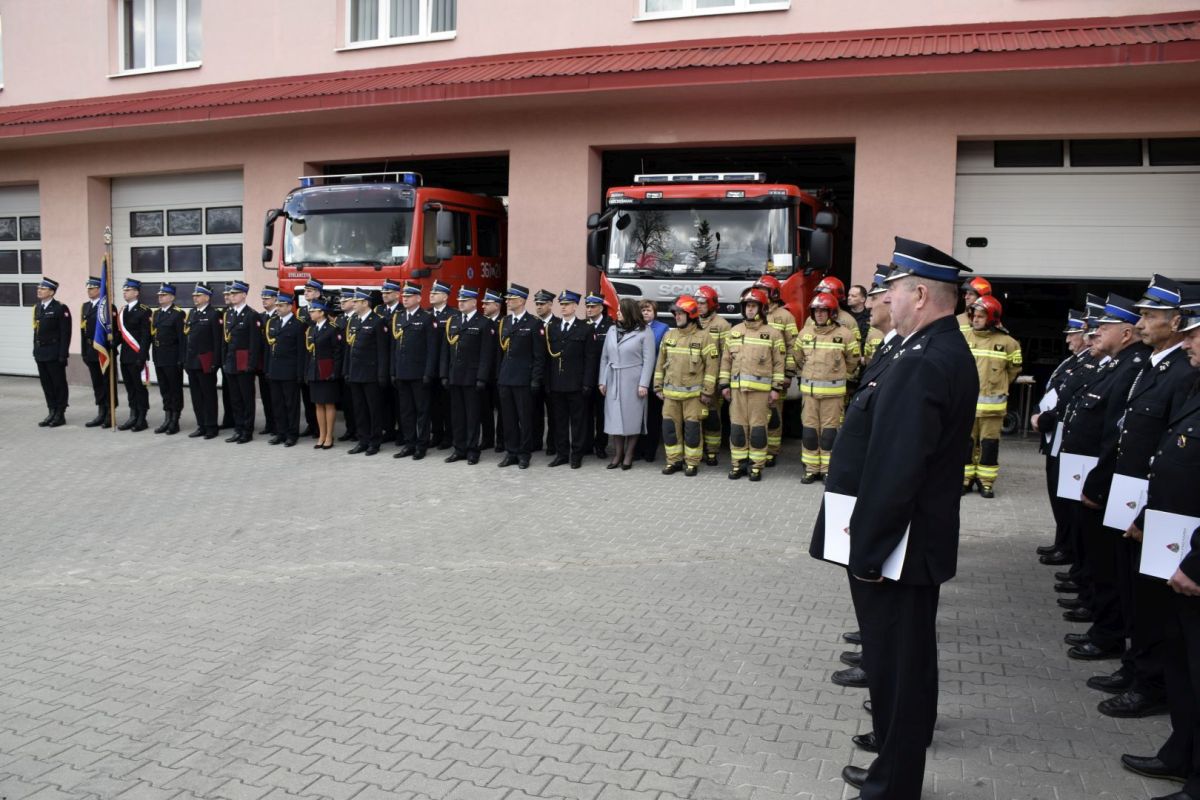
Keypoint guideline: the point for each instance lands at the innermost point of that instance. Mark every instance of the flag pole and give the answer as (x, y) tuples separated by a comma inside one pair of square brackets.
[(112, 356)]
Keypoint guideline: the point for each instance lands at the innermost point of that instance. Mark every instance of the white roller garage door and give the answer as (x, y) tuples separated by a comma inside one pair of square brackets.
[(179, 228), (20, 272), (1085, 223)]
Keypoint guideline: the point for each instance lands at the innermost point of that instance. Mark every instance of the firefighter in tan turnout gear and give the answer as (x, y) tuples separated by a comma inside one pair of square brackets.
[(685, 378), (998, 360), (826, 355), (752, 380), (718, 328), (779, 318)]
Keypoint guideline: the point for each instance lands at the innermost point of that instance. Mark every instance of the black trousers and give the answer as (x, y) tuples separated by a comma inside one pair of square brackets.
[(347, 404), (899, 629), (647, 443), (1059, 507), (491, 426), (241, 402), (285, 400), (570, 423), (412, 404), (1181, 661), (1080, 571), (170, 386), (99, 383), (264, 391), (594, 435), (227, 418), (136, 392), (543, 419), (1102, 551), (389, 410), (1146, 619), (53, 375), (203, 388), (368, 412), (310, 409), (441, 430), (466, 403), (516, 409)]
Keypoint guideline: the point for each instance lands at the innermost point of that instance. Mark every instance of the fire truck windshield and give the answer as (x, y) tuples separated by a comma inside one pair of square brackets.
[(375, 237), (716, 241)]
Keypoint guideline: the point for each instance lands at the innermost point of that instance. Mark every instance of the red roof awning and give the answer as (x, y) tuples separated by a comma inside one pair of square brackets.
[(1111, 42)]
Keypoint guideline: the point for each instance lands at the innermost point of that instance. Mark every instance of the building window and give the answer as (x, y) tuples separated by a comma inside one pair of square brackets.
[(1106, 153), (667, 9), (158, 34), (1174, 152), (375, 22), (1028, 153)]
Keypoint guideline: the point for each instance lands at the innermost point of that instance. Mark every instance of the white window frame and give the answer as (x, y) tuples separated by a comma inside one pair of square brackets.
[(181, 44), (424, 23), (690, 10)]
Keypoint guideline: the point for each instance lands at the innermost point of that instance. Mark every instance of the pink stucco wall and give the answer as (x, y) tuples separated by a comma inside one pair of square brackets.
[(58, 49), (905, 134)]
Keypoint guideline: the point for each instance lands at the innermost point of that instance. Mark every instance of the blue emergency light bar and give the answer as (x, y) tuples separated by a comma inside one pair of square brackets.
[(701, 177), (409, 178)]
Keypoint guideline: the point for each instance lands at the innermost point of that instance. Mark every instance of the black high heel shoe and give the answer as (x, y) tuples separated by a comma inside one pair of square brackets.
[(613, 465), (625, 465)]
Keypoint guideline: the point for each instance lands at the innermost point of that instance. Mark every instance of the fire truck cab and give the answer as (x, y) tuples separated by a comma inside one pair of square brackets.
[(668, 234), (358, 230)]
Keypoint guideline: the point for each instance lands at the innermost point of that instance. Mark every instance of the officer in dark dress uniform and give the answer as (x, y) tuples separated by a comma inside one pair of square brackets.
[(51, 350), (543, 408), (269, 296), (133, 328), (202, 357), (343, 321), (522, 341), (323, 369), (1172, 489), (285, 370), (244, 342), (313, 291), (905, 432), (1091, 429), (226, 382), (595, 439), (1159, 387), (87, 327), (441, 433), (414, 338), (467, 361), (570, 380), (390, 290), (166, 350), (491, 424), (367, 372)]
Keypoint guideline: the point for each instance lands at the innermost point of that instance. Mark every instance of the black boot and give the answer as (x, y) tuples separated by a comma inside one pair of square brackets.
[(98, 420), (46, 419), (173, 428), (58, 419), (166, 423), (108, 422), (140, 424), (130, 422)]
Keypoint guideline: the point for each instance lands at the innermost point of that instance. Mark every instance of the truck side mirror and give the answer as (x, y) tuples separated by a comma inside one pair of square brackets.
[(820, 250), (593, 222), (826, 219), (595, 249), (445, 227), (268, 256), (269, 226), (444, 252)]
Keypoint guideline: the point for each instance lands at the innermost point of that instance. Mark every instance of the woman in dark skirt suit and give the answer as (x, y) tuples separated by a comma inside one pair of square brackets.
[(323, 371)]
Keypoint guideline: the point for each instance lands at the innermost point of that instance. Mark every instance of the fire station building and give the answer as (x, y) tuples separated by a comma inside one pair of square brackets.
[(1052, 145)]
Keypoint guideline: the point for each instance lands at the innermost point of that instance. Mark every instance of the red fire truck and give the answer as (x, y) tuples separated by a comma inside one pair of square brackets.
[(358, 230), (668, 234)]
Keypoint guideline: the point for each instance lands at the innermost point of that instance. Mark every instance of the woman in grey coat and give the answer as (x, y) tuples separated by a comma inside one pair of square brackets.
[(626, 372)]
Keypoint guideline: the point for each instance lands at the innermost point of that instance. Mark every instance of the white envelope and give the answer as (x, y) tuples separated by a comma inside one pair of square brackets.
[(1166, 541), (1126, 499), (1058, 434), (1049, 400), (838, 509), (1072, 472)]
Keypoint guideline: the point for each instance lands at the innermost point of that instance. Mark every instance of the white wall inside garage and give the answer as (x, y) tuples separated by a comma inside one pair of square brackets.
[(1081, 223), (16, 322)]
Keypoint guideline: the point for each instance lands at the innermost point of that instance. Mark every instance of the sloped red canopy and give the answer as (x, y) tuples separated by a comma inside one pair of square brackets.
[(1121, 41)]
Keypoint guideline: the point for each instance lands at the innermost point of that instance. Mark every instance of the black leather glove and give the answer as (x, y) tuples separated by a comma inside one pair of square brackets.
[(445, 383), (480, 385), (428, 379)]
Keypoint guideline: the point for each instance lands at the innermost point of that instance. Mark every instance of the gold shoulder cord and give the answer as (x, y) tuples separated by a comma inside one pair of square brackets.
[(548, 350), (309, 344), (267, 333), (153, 325), (397, 332), (500, 336), (450, 340), (225, 326), (36, 321), (351, 333), (187, 322)]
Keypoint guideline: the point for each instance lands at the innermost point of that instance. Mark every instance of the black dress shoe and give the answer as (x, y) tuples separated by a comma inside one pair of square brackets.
[(234, 439), (600, 452), (276, 440), (851, 658), (373, 450), (1079, 615), (472, 460), (1076, 639), (347, 437), (417, 456), (98, 420), (522, 465), (1180, 795), (196, 434), (58, 421), (1152, 767), (853, 637), (576, 463), (265, 431), (507, 461), (450, 459), (559, 461), (867, 707), (1116, 683), (211, 434), (1067, 587), (1062, 576), (1046, 549), (405, 452), (854, 677), (245, 438), (1093, 652), (358, 448), (1055, 559), (46, 421), (290, 443), (866, 741), (1069, 602), (1132, 705), (855, 776)]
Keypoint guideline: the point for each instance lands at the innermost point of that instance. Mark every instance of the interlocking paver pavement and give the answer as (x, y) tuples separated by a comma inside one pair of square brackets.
[(191, 619)]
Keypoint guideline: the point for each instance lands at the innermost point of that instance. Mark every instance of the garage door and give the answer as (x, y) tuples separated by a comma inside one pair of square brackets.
[(1075, 222), (177, 228), (20, 271)]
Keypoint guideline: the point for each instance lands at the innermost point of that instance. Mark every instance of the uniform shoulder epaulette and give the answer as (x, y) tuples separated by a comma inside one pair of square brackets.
[(143, 307)]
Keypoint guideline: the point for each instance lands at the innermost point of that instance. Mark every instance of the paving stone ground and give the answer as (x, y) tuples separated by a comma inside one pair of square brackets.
[(191, 619)]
